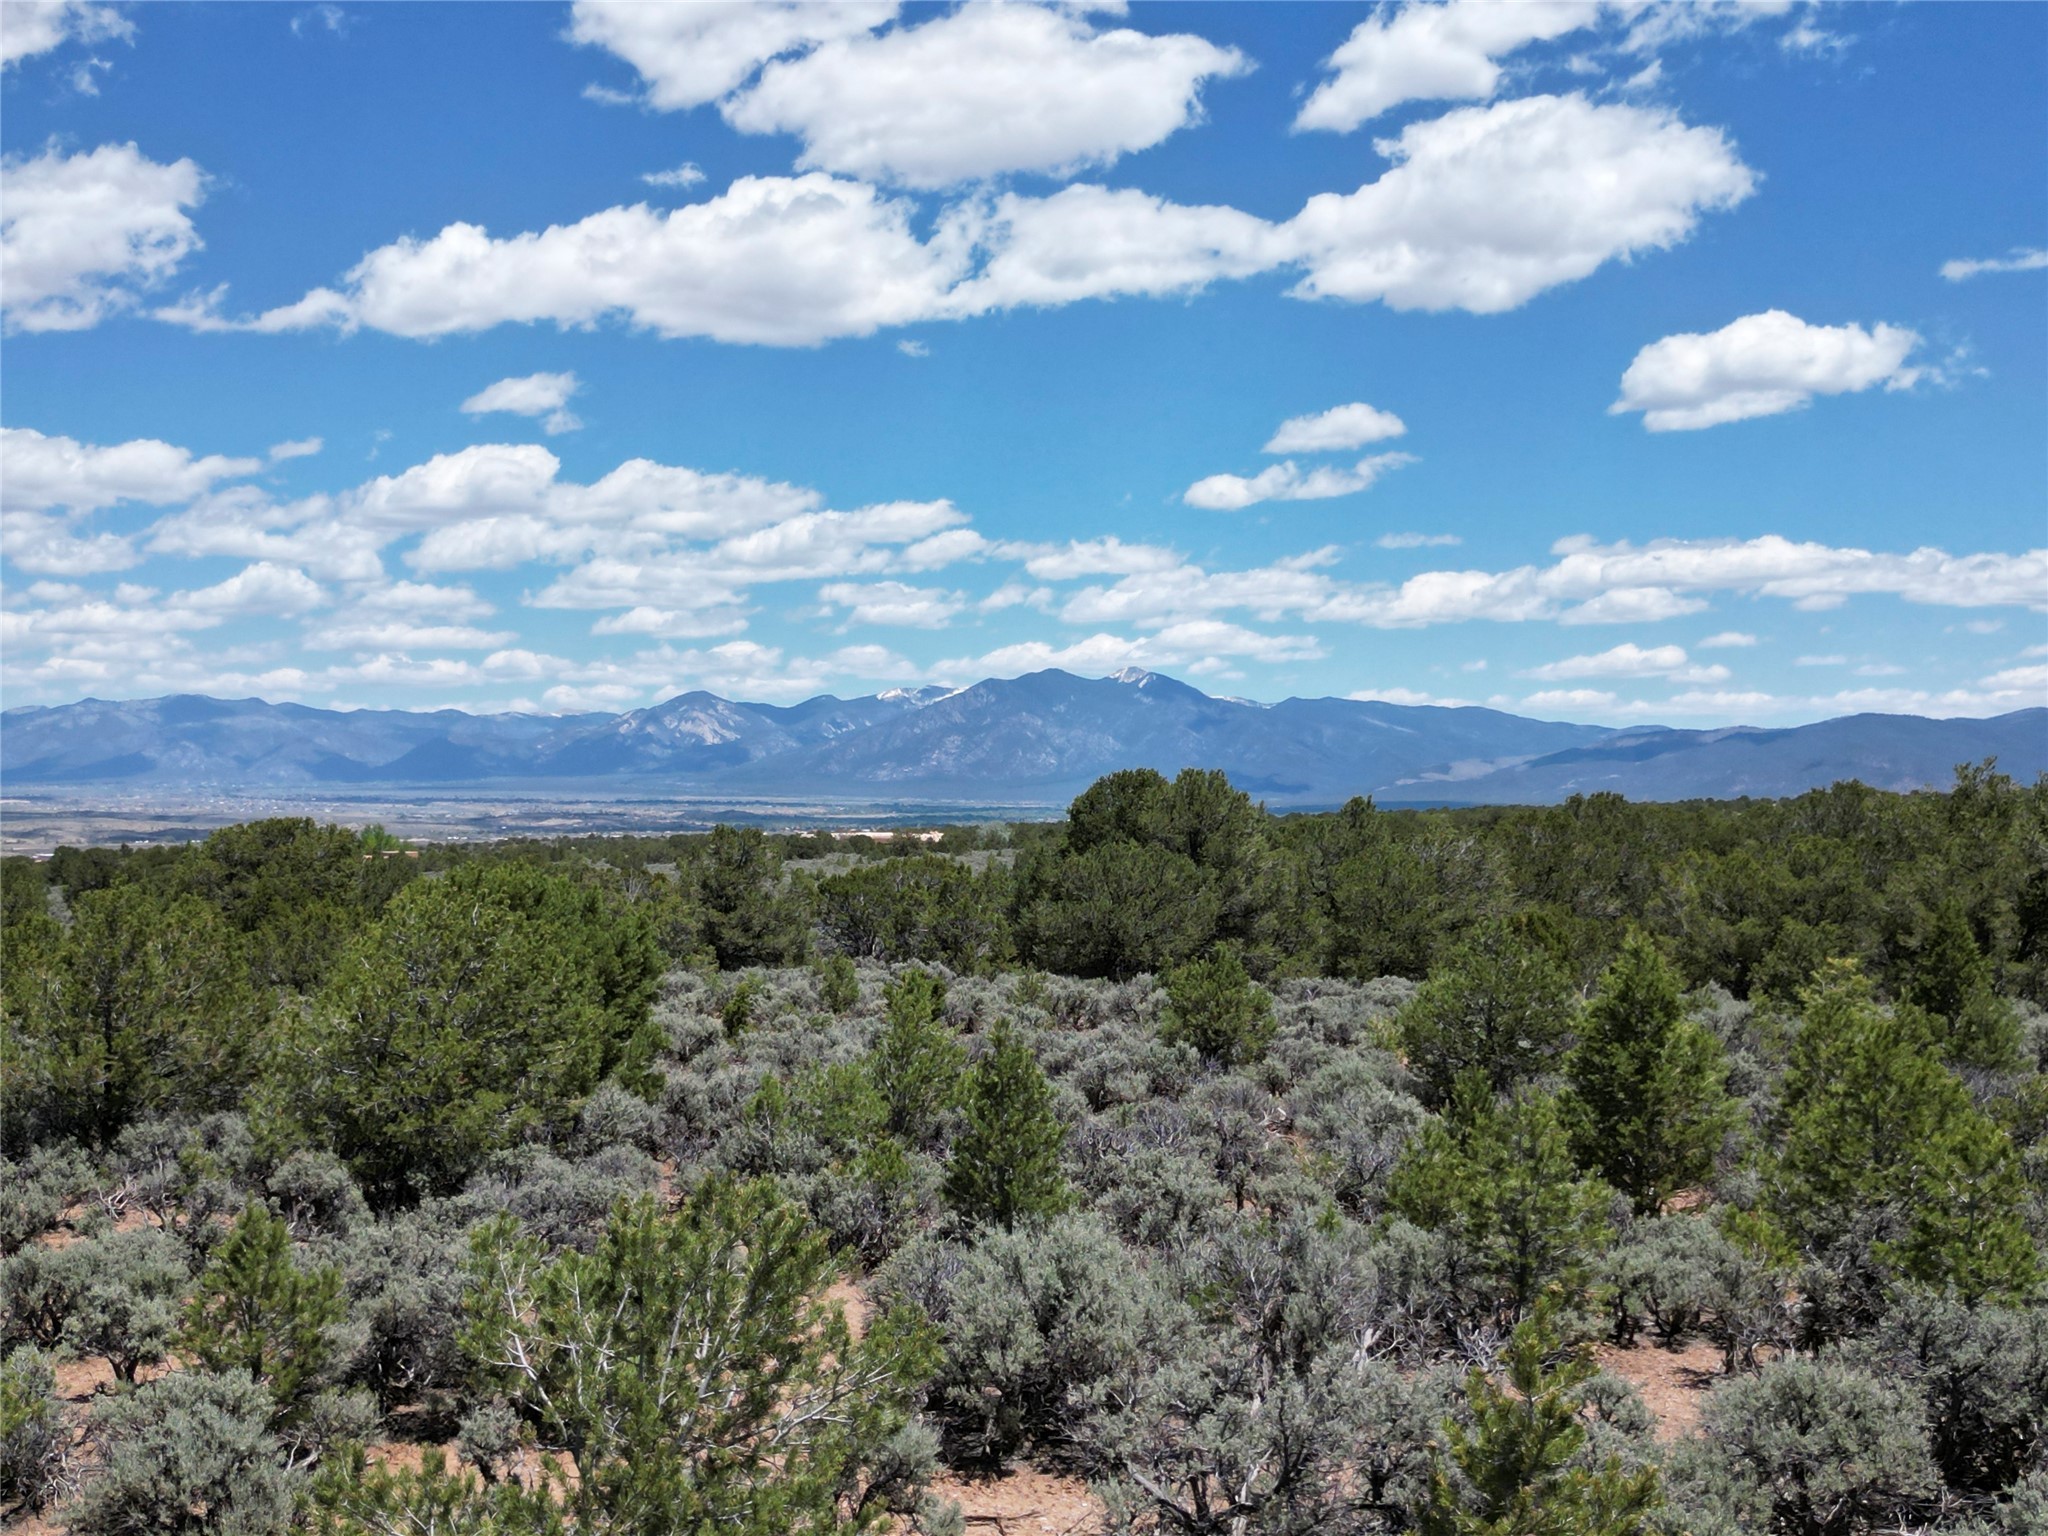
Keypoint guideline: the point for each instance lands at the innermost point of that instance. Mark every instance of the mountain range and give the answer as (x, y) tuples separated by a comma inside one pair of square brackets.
[(1038, 738)]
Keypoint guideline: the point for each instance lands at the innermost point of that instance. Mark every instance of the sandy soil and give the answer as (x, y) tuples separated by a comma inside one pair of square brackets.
[(1023, 1501), (1673, 1383)]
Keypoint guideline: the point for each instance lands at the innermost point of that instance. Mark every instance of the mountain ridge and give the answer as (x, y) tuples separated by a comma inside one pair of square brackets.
[(1040, 736)]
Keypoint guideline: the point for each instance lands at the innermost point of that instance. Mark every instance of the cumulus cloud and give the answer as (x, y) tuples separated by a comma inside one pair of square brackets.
[(1417, 540), (317, 534), (1482, 210), (1334, 430), (44, 472), (1760, 365), (1188, 644), (544, 395), (1445, 52), (44, 545), (1089, 242), (983, 90), (1286, 481), (1630, 660), (2021, 259), (1588, 582), (83, 236), (263, 588), (1486, 207), (1106, 556), (1727, 639), (778, 260), (723, 617), (30, 27), (892, 603), (690, 55), (299, 448)]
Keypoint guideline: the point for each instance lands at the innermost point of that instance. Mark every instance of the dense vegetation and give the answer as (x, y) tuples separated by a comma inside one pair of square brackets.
[(1274, 1175)]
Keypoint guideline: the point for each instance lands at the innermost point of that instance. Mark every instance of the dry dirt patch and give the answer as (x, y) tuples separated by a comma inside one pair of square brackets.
[(1673, 1383), (1023, 1501)]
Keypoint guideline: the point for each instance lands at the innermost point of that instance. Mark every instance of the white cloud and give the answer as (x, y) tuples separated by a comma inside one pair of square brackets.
[(674, 623), (1570, 699), (1089, 242), (44, 472), (1589, 582), (1014, 594), (421, 599), (1482, 210), (689, 55), (1486, 207), (892, 603), (1187, 644), (1417, 540), (980, 91), (1760, 365), (387, 635), (1431, 53), (2022, 259), (241, 523), (534, 394), (263, 588), (81, 236), (1286, 481), (910, 348), (1652, 27), (1334, 430), (30, 27), (43, 544), (1727, 639), (325, 14), (779, 260), (1106, 556), (688, 174), (1632, 605), (300, 448), (1407, 696), (2032, 680), (1630, 660), (1821, 661)]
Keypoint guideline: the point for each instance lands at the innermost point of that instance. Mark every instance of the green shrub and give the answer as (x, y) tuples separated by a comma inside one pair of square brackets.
[(1511, 1471), (1498, 1181), (1663, 1272), (1982, 1374), (189, 1454), (127, 1310), (1820, 1448), (258, 1311), (916, 1063), (1649, 1085), (33, 1438), (1030, 1319), (1500, 1005), (1005, 1163), (690, 1368), (36, 1190), (838, 984), (1212, 1005)]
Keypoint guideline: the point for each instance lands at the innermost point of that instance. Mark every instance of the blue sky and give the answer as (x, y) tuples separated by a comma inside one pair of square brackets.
[(1601, 362)]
